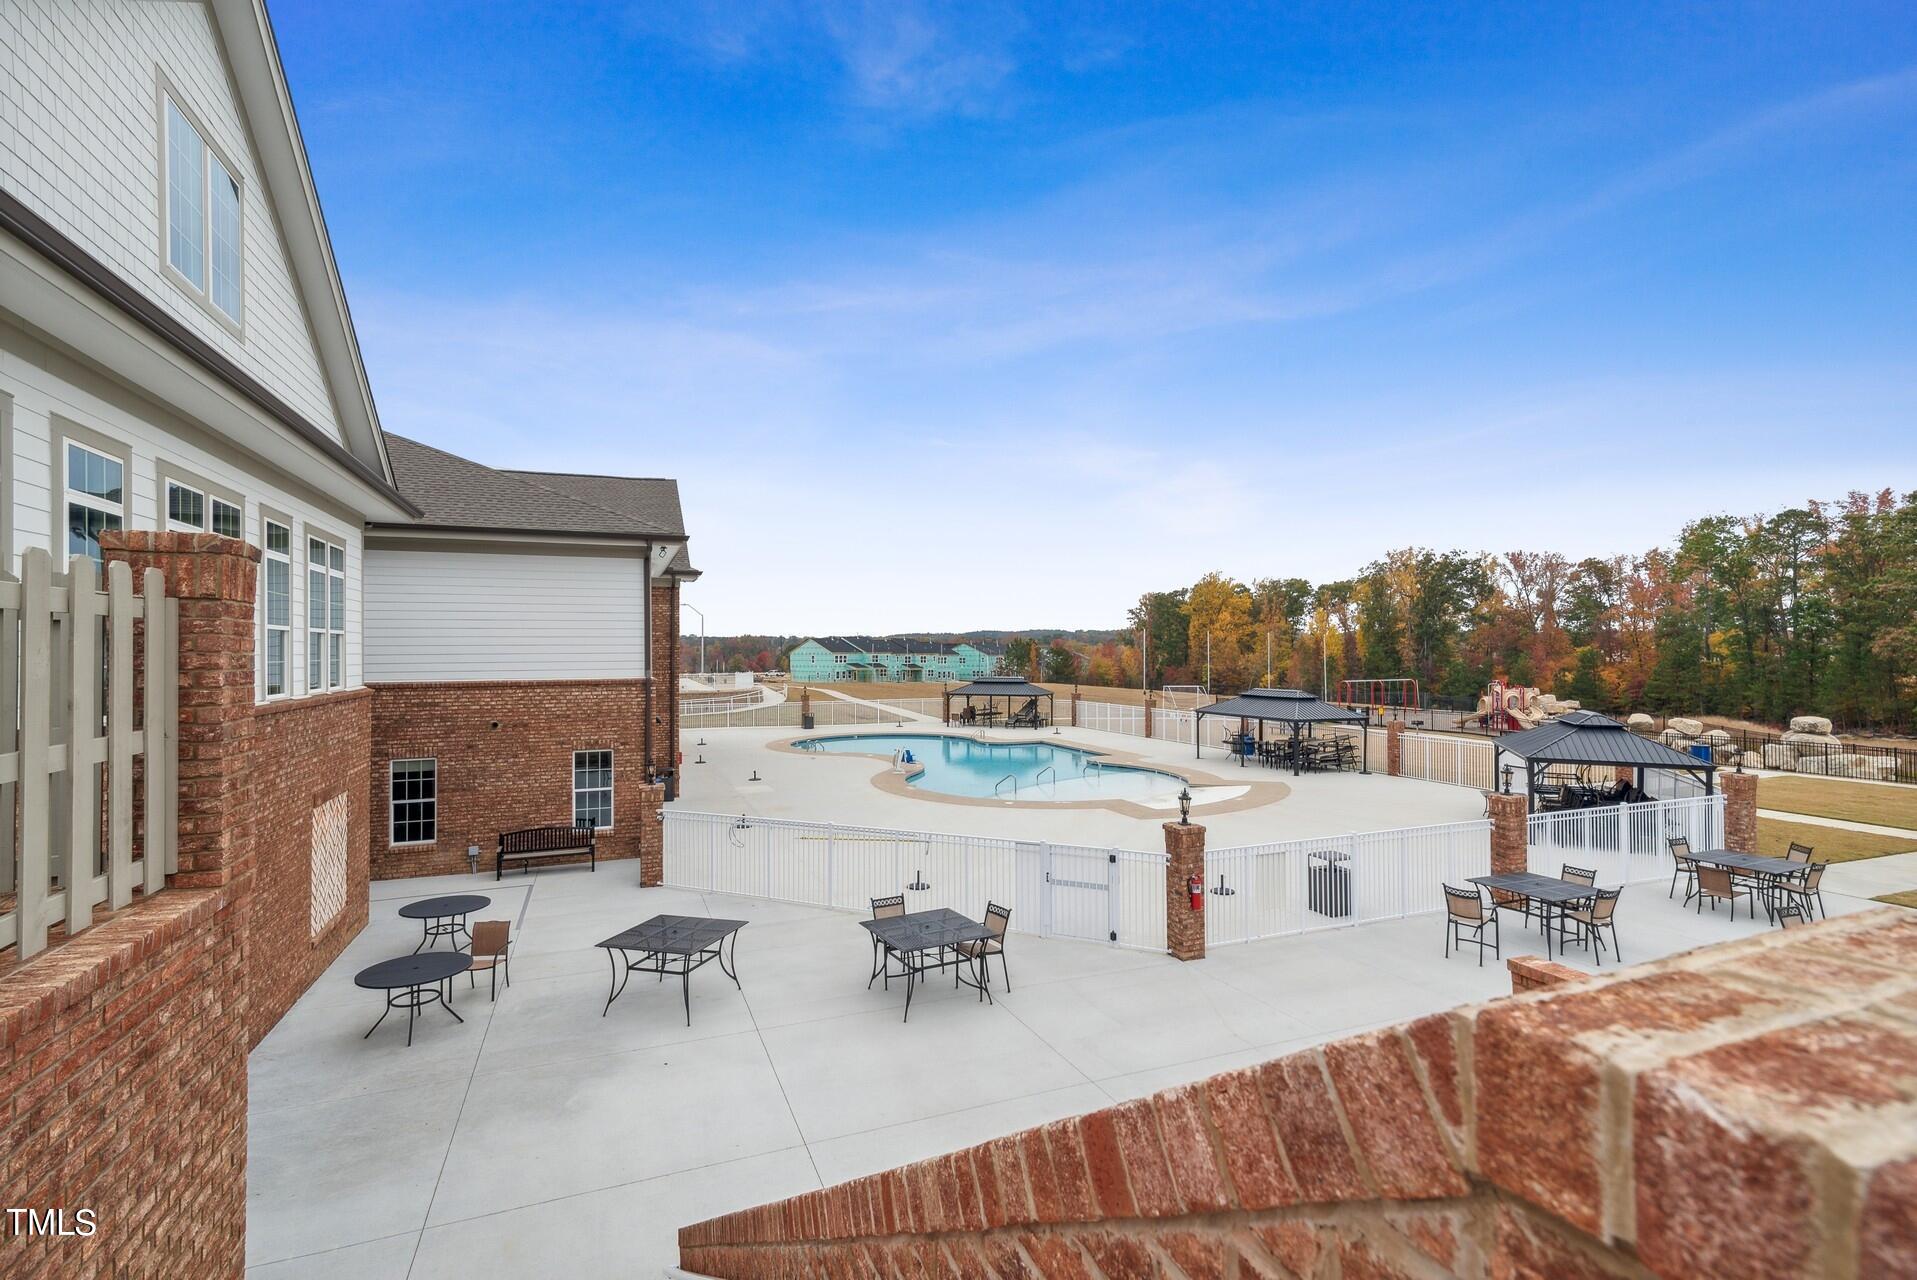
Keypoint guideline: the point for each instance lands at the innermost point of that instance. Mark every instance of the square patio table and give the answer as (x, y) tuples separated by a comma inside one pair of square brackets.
[(914, 934), (1550, 893), (672, 945)]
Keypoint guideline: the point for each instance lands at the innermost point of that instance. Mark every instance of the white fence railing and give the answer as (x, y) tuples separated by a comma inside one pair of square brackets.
[(1625, 843), (1074, 891), (1169, 724), (826, 712), (1297, 886), (67, 690), (1439, 757)]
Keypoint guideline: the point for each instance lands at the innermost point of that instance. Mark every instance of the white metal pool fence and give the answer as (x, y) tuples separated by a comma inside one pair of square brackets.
[(1118, 895), (827, 712)]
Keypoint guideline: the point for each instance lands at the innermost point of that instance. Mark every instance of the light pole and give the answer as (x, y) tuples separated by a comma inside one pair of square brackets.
[(702, 634)]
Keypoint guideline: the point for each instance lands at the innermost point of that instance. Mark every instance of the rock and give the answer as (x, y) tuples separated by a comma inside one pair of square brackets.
[(1716, 737), (1751, 760), (1810, 724), (1812, 744), (1779, 756), (1689, 728), (1638, 720)]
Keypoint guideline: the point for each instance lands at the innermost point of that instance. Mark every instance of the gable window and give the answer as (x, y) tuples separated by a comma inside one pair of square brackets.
[(95, 498), (592, 789), (415, 801), (325, 615), (277, 567), (189, 508), (202, 202)]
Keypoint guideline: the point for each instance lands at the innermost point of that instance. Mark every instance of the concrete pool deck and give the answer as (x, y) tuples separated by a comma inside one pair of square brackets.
[(540, 1139), (824, 787)]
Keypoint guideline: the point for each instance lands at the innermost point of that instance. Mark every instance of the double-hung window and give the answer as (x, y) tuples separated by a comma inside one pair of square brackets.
[(202, 216), (95, 498), (277, 561), (415, 801), (592, 789), (188, 507), (325, 615)]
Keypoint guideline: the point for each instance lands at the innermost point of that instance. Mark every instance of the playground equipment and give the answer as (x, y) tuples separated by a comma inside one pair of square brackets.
[(1506, 707), (1399, 694)]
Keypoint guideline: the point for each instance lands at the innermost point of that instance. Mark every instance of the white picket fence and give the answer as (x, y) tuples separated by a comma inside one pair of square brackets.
[(67, 684), (1055, 890), (1297, 886)]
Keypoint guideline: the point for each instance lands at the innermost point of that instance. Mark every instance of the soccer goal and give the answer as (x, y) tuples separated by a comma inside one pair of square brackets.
[(1185, 697)]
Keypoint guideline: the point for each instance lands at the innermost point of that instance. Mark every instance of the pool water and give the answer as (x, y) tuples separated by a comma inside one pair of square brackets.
[(1043, 772)]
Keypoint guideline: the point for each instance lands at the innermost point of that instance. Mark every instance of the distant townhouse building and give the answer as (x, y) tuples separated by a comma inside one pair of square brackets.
[(442, 650), (888, 658)]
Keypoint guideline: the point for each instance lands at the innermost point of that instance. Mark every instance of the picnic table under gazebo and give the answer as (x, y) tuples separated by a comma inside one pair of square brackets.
[(984, 696), (1293, 709)]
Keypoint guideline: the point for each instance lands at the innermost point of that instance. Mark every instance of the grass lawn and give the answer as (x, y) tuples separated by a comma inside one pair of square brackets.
[(1833, 844), (1908, 898), (1851, 801)]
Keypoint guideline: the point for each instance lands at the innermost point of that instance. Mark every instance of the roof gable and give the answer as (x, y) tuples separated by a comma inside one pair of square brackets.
[(457, 493)]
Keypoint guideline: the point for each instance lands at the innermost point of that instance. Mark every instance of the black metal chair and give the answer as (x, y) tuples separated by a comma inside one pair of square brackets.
[(1464, 910), (1684, 865), (1717, 884), (1799, 852), (883, 909), (1802, 892), (1595, 915), (997, 919)]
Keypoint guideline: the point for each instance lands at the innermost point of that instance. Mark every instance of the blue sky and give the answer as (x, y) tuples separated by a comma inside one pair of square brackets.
[(992, 315)]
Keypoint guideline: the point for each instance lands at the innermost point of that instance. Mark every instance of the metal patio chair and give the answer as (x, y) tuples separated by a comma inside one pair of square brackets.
[(1685, 866), (997, 919), (883, 909), (491, 952), (1717, 884), (1464, 910), (1802, 892), (1595, 915), (1799, 852)]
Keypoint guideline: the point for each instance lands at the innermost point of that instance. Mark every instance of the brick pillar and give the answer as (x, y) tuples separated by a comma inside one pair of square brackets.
[(1185, 858), (1740, 811), (1148, 714), (652, 836), (1394, 747), (1625, 774), (1074, 706), (1510, 849), (215, 580)]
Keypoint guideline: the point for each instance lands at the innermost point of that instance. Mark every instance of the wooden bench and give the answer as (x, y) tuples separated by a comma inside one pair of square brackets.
[(545, 842)]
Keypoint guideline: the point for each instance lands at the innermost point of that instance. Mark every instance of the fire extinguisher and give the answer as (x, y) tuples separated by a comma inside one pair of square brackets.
[(1196, 887)]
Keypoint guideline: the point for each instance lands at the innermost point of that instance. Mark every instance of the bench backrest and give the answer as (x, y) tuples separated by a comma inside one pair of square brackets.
[(545, 839)]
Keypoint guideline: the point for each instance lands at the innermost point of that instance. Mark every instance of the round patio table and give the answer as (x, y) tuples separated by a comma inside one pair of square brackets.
[(412, 982), (444, 917)]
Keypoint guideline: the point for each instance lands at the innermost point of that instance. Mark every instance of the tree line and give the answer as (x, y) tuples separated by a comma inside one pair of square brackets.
[(1812, 609)]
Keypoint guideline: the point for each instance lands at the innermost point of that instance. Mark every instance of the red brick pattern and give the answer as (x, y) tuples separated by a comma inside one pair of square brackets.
[(662, 701), (1530, 973), (1185, 854), (505, 762), (123, 1091), (1740, 811), (1510, 834), (1394, 747), (1688, 1118)]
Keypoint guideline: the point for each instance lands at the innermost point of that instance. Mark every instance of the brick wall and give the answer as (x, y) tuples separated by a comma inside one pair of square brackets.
[(505, 761), (1740, 811), (662, 741), (1510, 834), (1394, 746), (1746, 1110), (304, 753), (1184, 858), (1533, 973), (123, 1091)]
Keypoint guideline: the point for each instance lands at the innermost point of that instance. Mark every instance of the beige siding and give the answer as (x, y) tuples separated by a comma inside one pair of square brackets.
[(494, 615), (80, 143)]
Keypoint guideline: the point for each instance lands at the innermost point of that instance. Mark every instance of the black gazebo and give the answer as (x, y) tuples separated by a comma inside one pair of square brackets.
[(1581, 738), (996, 689), (1301, 710)]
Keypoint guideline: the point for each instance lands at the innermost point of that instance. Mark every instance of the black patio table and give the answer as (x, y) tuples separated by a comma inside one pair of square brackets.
[(1550, 893), (1754, 864), (672, 944), (412, 982), (912, 935), (444, 917)]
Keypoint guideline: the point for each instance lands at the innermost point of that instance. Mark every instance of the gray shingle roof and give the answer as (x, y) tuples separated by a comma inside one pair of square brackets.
[(1293, 706), (457, 493), (894, 644)]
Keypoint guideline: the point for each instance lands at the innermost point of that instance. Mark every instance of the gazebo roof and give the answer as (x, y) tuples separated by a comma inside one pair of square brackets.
[(1000, 687), (1585, 737), (1293, 706)]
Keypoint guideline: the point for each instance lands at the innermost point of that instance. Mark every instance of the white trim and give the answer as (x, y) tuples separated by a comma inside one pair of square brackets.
[(270, 519), (211, 157), (578, 791), (392, 802)]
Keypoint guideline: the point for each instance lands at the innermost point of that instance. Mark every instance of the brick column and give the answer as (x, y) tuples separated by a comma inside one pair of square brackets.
[(1510, 847), (652, 836), (1533, 973), (1148, 714), (1394, 747), (1740, 811), (215, 580), (1074, 706), (1185, 858)]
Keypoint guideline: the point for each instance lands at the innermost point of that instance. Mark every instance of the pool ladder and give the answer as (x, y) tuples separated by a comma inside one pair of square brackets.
[(1000, 786), (1041, 777)]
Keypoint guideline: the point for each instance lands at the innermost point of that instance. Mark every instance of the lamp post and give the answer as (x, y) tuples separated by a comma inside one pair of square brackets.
[(702, 634), (1184, 806)]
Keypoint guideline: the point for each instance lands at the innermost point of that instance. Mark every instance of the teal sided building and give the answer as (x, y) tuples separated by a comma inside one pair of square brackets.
[(887, 659)]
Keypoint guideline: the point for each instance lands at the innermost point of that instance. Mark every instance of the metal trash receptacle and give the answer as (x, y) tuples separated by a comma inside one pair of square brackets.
[(1328, 876)]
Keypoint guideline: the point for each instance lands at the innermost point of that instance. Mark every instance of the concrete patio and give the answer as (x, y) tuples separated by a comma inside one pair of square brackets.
[(540, 1139)]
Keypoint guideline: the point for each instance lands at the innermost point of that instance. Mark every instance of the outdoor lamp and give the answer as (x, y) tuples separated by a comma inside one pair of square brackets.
[(1184, 806)]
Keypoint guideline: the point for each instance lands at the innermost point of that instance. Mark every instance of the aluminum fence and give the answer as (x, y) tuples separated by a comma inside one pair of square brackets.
[(826, 712), (1054, 890), (1625, 843), (1298, 886), (1437, 757)]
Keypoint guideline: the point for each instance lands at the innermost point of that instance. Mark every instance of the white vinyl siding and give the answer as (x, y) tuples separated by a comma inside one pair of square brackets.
[(492, 615), (83, 143)]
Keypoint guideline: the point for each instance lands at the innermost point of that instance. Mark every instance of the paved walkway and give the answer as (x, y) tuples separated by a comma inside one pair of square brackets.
[(539, 1139), (1843, 824)]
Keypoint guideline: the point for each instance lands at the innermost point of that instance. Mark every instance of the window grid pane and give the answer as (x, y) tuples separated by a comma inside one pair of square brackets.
[(415, 790), (227, 519), (226, 240), (185, 198), (592, 789), (185, 506)]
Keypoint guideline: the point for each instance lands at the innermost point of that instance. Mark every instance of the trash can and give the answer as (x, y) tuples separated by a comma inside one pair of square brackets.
[(1701, 751), (1329, 882), (805, 721)]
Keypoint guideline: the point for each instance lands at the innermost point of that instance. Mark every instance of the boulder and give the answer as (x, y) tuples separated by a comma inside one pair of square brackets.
[(1751, 760), (1810, 724), (1689, 728), (1716, 737), (1812, 744), (1637, 720), (1779, 756)]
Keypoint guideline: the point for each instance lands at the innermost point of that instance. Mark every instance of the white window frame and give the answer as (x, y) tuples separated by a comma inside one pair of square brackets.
[(326, 643), (393, 801), (213, 162), (69, 437), (578, 790), (270, 520), (210, 495)]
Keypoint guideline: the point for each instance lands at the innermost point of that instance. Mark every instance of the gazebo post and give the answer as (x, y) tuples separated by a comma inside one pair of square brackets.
[(1295, 769), (1364, 745)]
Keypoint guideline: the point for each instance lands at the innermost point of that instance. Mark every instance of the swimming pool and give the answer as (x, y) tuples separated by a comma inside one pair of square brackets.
[(1037, 770)]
